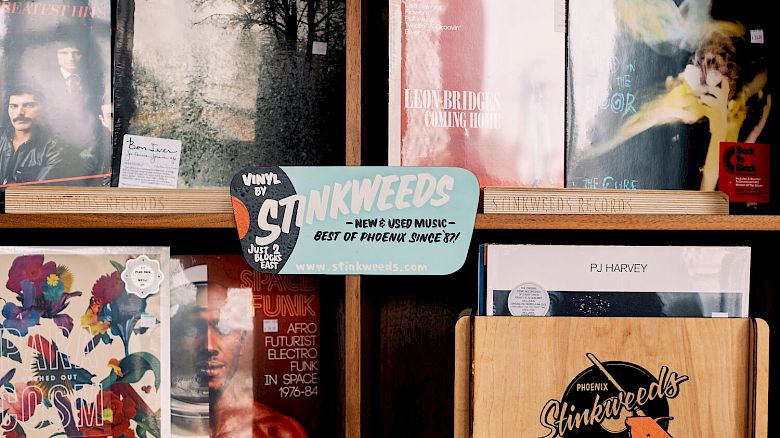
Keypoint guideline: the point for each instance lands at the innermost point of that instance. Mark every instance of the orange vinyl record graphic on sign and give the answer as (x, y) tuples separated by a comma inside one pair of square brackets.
[(242, 217)]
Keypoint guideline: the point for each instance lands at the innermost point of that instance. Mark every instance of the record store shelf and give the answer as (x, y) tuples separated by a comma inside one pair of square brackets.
[(483, 222), (105, 220), (638, 222)]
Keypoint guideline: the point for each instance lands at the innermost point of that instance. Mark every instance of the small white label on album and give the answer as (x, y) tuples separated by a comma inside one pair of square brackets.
[(319, 48), (270, 325), (142, 276), (149, 162), (560, 16), (147, 320), (720, 314), (757, 36), (528, 299)]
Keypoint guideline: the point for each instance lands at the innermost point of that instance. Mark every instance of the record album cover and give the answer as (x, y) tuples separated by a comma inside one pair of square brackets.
[(83, 342), (55, 86), (479, 85), (655, 87), (683, 281), (248, 351), (237, 82)]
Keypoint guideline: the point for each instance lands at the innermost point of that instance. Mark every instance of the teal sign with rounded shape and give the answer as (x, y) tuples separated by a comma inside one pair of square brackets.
[(355, 220)]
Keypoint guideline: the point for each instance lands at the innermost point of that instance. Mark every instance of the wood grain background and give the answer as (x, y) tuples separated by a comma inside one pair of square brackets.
[(522, 363)]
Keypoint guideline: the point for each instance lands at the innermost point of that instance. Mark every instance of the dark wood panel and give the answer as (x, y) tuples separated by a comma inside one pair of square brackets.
[(332, 344), (413, 357)]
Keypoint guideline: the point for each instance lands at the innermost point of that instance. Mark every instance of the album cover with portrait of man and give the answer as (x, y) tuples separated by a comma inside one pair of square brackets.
[(655, 88), (246, 361), (84, 342), (55, 85)]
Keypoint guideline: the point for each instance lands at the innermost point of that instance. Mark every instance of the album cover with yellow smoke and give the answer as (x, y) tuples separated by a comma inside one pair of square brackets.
[(655, 87)]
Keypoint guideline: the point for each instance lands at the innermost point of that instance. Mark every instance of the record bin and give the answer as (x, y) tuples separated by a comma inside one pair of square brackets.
[(611, 377)]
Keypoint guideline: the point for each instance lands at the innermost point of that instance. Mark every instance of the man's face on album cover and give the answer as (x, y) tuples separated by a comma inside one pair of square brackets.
[(23, 110), (218, 355), (69, 58), (107, 115)]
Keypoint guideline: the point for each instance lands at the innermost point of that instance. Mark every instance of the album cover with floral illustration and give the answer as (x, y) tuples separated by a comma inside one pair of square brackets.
[(83, 342)]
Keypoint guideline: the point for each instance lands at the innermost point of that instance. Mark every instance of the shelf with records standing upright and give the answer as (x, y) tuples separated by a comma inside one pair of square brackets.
[(390, 346), (394, 381), (204, 255), (232, 92)]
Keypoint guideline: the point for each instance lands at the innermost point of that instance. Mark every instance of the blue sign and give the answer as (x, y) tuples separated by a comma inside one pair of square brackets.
[(355, 220)]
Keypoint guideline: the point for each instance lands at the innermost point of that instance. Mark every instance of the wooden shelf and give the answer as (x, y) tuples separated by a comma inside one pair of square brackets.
[(103, 221), (627, 222), (484, 221)]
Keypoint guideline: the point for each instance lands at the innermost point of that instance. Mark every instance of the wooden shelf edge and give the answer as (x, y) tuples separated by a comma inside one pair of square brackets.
[(483, 222), (106, 220), (674, 222)]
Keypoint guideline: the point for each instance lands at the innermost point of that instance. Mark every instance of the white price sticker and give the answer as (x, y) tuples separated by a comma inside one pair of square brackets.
[(757, 36), (270, 325)]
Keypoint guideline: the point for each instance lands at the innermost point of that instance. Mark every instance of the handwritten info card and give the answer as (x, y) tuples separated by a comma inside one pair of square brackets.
[(355, 220), (149, 162)]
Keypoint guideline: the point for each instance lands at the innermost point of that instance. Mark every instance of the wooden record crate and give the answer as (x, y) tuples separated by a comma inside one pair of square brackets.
[(611, 377)]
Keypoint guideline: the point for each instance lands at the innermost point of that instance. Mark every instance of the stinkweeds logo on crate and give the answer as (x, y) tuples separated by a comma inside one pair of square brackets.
[(614, 400)]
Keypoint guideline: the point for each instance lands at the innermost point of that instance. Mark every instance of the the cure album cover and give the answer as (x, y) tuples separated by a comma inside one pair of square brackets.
[(656, 87)]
